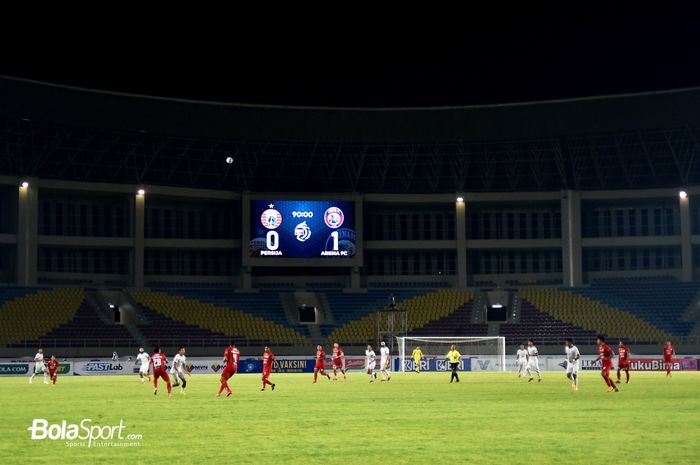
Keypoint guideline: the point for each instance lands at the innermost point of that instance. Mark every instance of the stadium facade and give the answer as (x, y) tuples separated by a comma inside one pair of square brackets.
[(557, 192), (111, 191)]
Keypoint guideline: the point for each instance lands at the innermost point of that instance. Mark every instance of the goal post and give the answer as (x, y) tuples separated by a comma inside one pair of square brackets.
[(485, 348)]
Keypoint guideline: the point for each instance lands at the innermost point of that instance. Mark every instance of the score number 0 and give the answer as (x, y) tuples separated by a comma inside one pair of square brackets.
[(273, 240)]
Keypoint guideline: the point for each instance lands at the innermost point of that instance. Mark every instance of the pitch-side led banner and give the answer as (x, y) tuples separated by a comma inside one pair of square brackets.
[(556, 363), (433, 364), (194, 365), (649, 364), (286, 364), (13, 367)]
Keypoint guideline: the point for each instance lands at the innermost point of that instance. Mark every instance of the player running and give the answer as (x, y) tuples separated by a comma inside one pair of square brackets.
[(39, 366), (53, 365), (521, 360), (231, 357), (669, 353), (572, 364), (338, 362), (320, 366), (532, 361), (453, 356), (144, 359), (605, 355), (159, 362), (385, 362), (267, 359), (179, 370), (417, 356), (623, 361), (370, 362)]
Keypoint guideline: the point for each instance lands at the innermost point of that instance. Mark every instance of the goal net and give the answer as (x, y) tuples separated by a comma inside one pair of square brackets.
[(481, 353)]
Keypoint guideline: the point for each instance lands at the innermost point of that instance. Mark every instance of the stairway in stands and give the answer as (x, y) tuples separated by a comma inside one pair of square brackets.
[(87, 329), (457, 323), (540, 326), (159, 329)]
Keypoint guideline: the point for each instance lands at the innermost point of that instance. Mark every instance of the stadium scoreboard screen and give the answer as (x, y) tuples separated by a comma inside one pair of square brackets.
[(322, 231)]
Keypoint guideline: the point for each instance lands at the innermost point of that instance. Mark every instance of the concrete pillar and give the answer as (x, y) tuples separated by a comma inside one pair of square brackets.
[(139, 232), (461, 237), (355, 278), (686, 239), (246, 278), (27, 231), (572, 254)]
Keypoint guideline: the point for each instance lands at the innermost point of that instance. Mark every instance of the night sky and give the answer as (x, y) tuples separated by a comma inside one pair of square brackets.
[(510, 58)]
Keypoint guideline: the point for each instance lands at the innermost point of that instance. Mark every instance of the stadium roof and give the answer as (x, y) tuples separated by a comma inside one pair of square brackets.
[(621, 141)]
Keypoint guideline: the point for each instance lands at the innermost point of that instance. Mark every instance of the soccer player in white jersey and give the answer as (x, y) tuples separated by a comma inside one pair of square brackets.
[(178, 369), (532, 362), (385, 362), (39, 366), (370, 362), (521, 360), (572, 358), (143, 359)]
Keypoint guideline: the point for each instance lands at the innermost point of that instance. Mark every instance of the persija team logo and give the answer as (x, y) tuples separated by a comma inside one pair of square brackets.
[(334, 217), (302, 232), (271, 218)]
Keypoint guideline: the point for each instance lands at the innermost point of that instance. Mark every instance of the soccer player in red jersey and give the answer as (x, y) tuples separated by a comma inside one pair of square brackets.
[(268, 359), (623, 361), (605, 355), (159, 362), (338, 362), (669, 352), (231, 357), (53, 369), (320, 363)]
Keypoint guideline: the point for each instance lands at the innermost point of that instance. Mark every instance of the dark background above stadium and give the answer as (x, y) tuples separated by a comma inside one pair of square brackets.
[(510, 57), (623, 142)]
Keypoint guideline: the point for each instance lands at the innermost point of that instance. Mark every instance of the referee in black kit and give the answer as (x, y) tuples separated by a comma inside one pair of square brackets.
[(453, 356)]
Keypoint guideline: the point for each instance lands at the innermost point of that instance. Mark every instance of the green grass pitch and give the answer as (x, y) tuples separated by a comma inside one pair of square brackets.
[(489, 418)]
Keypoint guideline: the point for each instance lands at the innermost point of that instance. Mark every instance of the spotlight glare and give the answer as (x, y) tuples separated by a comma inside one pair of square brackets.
[(229, 160), (683, 194), (460, 199), (141, 191), (25, 184)]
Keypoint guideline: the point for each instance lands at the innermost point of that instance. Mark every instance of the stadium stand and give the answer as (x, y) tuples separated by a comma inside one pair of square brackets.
[(265, 305), (219, 321), (538, 325), (592, 315), (28, 314), (660, 302), (159, 329), (457, 323), (348, 307), (85, 329), (421, 309)]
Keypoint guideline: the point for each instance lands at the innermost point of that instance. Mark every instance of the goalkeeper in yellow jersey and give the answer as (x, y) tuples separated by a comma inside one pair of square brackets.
[(417, 356)]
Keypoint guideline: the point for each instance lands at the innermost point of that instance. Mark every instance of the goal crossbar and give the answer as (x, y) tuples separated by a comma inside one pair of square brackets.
[(484, 346)]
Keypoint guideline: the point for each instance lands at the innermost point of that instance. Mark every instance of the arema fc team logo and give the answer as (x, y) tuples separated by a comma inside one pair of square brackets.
[(271, 218), (334, 217), (302, 232)]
